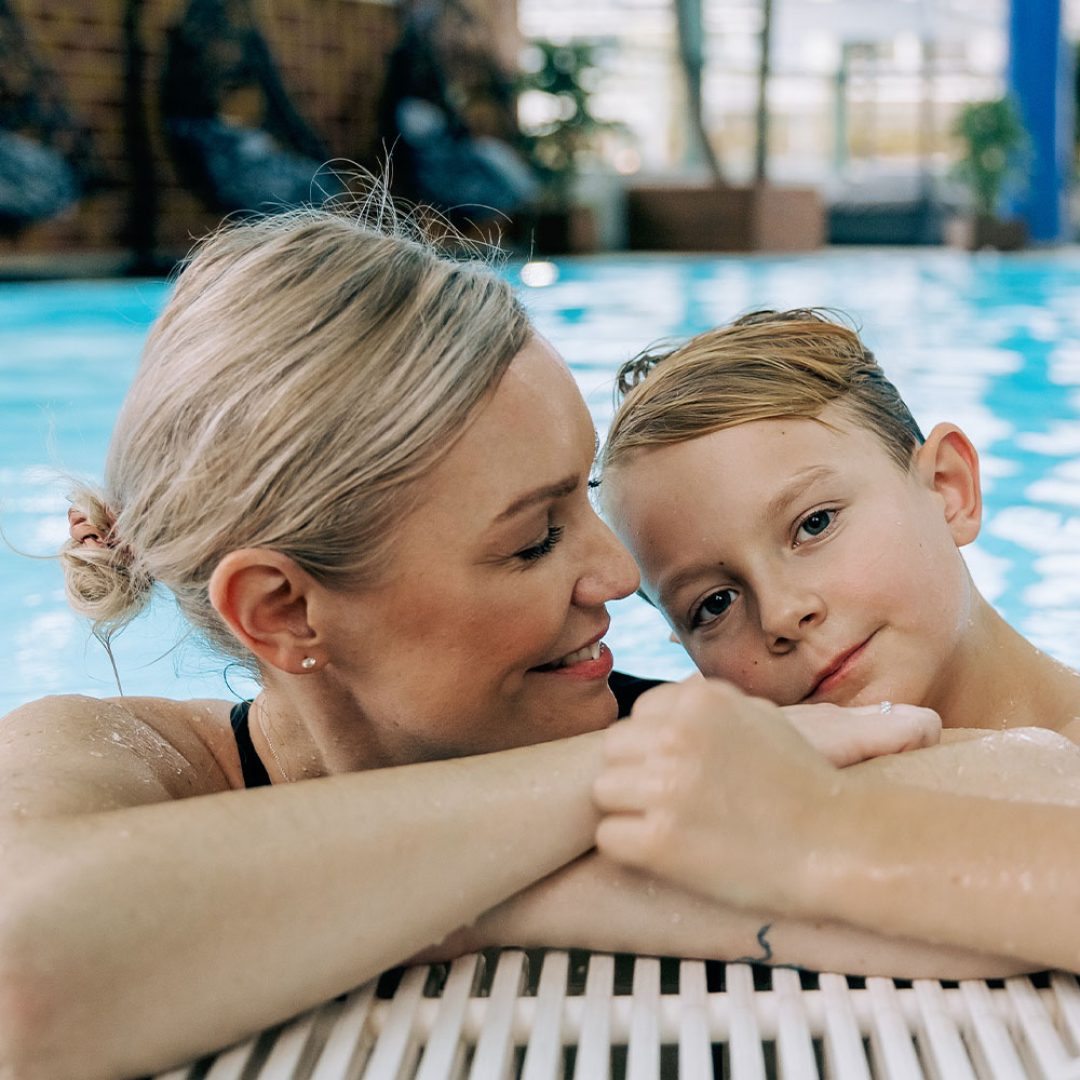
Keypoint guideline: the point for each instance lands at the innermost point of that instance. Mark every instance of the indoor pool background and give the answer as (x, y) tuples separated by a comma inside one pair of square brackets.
[(991, 342)]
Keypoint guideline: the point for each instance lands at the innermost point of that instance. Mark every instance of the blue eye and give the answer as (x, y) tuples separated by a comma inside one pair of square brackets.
[(538, 551), (713, 607), (815, 524)]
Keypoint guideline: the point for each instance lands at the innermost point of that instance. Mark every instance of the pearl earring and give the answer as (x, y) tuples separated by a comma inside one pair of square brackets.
[(308, 663)]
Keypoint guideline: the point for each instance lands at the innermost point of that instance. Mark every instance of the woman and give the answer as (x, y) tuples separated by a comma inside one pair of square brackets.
[(360, 474)]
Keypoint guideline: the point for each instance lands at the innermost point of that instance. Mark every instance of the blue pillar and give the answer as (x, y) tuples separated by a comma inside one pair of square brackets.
[(1041, 82)]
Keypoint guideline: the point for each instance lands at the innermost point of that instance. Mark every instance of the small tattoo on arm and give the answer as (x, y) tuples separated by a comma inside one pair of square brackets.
[(766, 948), (766, 956)]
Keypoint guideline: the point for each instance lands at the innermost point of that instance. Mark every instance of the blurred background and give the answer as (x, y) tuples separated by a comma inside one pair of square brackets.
[(650, 167), (127, 127)]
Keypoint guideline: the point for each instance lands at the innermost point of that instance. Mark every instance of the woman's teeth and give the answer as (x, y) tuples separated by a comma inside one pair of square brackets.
[(590, 652)]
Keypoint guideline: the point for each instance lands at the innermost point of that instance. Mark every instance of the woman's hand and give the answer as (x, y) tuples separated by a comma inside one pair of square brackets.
[(714, 791), (847, 736)]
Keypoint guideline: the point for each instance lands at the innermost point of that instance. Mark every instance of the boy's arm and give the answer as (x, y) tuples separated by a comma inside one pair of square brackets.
[(718, 795), (593, 903)]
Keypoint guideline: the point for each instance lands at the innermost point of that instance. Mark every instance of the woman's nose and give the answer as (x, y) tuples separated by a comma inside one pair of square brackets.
[(610, 572)]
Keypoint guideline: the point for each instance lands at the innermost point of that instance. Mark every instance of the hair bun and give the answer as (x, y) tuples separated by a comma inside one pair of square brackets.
[(102, 578)]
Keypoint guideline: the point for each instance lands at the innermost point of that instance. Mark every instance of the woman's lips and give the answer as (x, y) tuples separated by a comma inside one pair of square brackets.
[(838, 671), (594, 661)]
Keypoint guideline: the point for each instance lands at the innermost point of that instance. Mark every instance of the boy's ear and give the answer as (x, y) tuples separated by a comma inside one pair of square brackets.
[(948, 465), (263, 597)]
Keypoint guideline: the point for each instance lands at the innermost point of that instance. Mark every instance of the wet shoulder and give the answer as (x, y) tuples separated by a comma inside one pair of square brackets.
[(73, 754)]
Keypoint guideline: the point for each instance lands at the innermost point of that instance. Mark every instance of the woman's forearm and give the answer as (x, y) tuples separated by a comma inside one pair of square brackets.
[(994, 874), (159, 932), (985, 874), (595, 904)]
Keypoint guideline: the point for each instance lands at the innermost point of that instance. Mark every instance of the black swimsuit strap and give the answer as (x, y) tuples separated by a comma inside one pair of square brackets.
[(255, 774), (626, 688)]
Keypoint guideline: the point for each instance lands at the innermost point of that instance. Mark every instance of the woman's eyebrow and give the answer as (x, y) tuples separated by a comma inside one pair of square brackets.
[(559, 490)]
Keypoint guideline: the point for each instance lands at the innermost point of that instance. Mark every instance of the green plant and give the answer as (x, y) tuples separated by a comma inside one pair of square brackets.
[(996, 154), (559, 130)]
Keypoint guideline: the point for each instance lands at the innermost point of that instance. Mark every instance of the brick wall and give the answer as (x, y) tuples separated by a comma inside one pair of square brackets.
[(331, 54)]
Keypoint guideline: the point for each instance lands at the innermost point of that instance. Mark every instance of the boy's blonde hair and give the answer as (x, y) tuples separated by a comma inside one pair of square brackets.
[(768, 365), (308, 370)]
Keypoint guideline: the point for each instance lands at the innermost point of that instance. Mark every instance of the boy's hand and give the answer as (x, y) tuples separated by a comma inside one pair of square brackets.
[(848, 736), (714, 791)]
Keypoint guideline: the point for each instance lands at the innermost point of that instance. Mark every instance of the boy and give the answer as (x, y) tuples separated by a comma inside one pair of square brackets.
[(803, 538)]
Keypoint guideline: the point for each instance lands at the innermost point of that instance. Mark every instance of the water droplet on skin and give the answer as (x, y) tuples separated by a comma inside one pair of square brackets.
[(676, 918)]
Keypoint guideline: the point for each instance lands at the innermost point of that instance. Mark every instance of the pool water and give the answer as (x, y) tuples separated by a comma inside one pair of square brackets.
[(990, 342)]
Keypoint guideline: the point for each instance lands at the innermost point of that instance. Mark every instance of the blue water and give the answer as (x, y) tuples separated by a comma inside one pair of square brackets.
[(990, 342)]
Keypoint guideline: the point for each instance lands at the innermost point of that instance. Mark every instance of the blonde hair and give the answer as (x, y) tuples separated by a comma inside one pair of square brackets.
[(765, 366), (307, 370)]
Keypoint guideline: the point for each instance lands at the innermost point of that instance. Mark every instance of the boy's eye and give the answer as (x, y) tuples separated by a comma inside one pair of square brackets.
[(815, 524), (538, 551), (713, 607)]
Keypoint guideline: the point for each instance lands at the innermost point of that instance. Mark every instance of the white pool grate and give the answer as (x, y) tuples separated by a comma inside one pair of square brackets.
[(547, 1015)]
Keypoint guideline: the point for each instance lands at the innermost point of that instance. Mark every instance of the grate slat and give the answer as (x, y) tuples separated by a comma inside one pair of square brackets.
[(943, 1051), (845, 1058), (695, 1045), (890, 1038), (1067, 1002), (444, 1055), (349, 1039), (794, 1043), (594, 1044), (993, 1051), (1043, 1051), (396, 1048), (543, 1054), (744, 1035), (643, 1049), (495, 1046)]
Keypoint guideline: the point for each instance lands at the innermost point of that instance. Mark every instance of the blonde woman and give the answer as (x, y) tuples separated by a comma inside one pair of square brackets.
[(361, 474)]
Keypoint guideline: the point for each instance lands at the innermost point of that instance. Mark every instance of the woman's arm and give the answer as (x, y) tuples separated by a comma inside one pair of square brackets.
[(596, 904), (715, 793), (139, 927)]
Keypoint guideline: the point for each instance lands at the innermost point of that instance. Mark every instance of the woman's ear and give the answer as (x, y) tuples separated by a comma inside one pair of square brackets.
[(263, 597), (948, 465)]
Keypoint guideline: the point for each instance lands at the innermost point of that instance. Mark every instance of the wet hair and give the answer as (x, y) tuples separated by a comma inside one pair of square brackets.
[(308, 370), (767, 365)]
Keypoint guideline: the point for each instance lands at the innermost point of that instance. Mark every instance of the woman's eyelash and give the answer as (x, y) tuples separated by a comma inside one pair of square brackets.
[(538, 551)]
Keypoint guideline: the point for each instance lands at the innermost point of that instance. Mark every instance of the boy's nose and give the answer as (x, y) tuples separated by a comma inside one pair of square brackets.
[(788, 616)]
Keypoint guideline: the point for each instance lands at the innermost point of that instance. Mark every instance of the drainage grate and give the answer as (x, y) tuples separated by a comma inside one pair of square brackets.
[(546, 1015)]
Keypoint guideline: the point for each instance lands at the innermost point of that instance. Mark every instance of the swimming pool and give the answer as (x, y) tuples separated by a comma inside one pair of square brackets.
[(991, 342)]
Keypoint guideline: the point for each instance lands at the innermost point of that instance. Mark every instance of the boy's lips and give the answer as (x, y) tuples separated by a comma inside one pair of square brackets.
[(837, 670)]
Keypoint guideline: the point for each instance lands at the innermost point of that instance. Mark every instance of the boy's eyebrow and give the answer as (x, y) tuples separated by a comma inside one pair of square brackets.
[(795, 486)]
